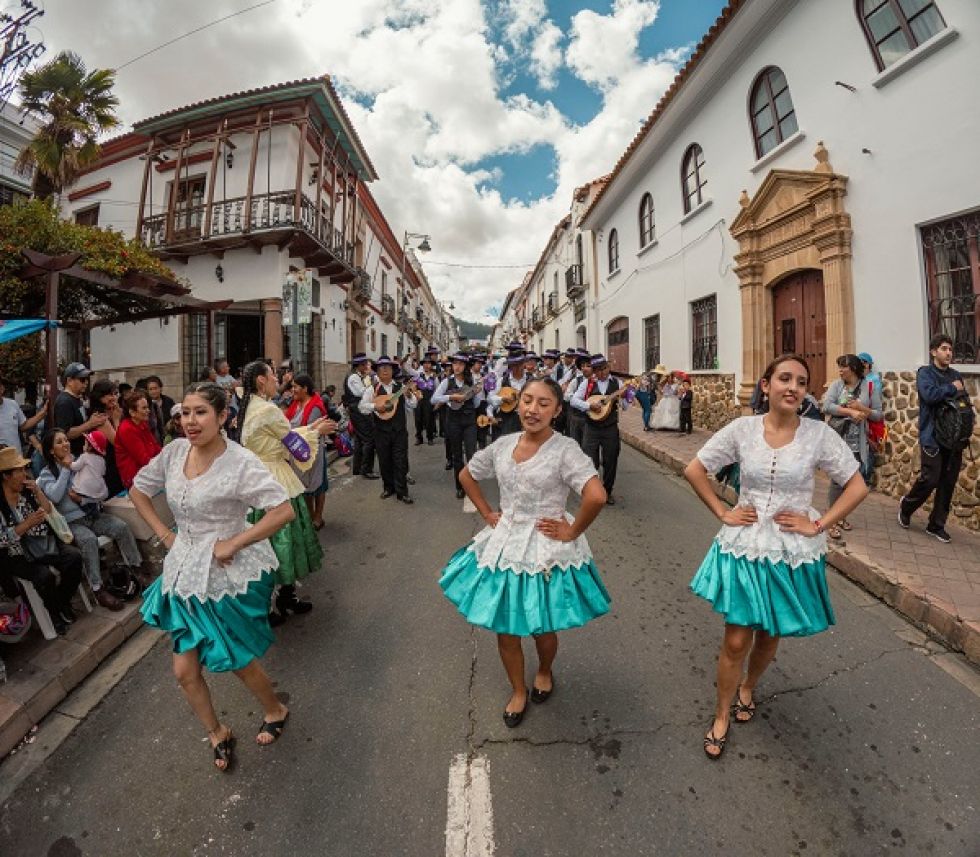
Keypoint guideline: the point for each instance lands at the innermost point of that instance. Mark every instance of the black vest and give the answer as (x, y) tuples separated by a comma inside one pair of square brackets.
[(467, 411), (397, 422), (349, 398), (592, 389)]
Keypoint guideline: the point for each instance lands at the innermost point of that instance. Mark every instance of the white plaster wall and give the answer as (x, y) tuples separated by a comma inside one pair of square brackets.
[(921, 167), (140, 344)]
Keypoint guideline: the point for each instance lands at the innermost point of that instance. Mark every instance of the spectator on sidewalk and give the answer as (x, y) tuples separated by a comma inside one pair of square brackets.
[(686, 395), (869, 372), (135, 443), (104, 399), (69, 408), (14, 424), (646, 395), (850, 403), (160, 407), (936, 384)]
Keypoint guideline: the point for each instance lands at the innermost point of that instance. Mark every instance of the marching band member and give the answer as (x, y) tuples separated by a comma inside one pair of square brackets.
[(461, 396), (566, 366), (362, 464), (515, 377), (550, 358), (445, 370), (576, 419), (487, 382), (391, 435), (425, 418), (601, 440), (531, 364)]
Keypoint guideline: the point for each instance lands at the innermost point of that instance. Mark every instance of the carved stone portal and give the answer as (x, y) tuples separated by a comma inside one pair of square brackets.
[(796, 221)]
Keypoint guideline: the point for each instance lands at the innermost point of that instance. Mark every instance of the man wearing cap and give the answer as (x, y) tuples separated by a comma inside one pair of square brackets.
[(13, 423), (601, 440), (425, 418), (576, 419), (362, 463), (69, 408), (390, 436), (515, 377)]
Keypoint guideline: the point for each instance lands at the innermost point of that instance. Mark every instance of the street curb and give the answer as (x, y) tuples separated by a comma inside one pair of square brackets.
[(923, 610)]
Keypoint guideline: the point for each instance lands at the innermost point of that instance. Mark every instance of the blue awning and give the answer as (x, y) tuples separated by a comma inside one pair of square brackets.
[(11, 329)]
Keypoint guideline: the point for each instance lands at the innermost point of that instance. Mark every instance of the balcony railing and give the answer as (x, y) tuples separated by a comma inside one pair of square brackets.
[(579, 311), (537, 318), (553, 303), (958, 318), (388, 308), (404, 321), (360, 287), (574, 281)]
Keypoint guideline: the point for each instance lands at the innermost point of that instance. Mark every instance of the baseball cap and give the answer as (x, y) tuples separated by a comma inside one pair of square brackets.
[(77, 370)]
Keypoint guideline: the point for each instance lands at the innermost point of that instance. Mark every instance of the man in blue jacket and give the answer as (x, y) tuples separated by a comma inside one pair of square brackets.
[(940, 468)]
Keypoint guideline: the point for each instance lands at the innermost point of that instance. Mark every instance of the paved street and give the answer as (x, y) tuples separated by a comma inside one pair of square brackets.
[(863, 744)]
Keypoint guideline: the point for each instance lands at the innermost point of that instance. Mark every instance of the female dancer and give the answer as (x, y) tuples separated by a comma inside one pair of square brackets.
[(213, 596), (266, 432), (765, 570), (530, 571), (462, 395)]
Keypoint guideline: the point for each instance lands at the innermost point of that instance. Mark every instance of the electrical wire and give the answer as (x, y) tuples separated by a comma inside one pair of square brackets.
[(192, 32), (478, 267)]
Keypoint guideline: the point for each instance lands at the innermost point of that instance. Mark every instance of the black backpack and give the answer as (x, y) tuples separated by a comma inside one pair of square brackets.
[(955, 419)]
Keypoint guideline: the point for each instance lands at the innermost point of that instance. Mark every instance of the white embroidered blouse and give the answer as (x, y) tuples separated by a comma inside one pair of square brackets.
[(530, 490), (777, 480), (208, 508)]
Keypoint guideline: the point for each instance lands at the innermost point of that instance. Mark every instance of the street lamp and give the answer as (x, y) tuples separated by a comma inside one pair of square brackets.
[(423, 247)]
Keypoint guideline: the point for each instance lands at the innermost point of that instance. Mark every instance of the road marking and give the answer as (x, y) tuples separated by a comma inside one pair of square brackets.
[(468, 506), (469, 811)]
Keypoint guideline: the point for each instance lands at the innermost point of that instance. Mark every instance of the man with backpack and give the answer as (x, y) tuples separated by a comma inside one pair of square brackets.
[(946, 420)]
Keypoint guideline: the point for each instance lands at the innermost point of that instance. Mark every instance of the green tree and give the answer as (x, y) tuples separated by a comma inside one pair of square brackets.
[(74, 106)]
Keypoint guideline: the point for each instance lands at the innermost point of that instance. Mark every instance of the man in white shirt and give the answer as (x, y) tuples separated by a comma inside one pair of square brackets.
[(390, 435), (515, 377), (362, 463), (601, 441), (551, 357), (13, 423), (581, 373)]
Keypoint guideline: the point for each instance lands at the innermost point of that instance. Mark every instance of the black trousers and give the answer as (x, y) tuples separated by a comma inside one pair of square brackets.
[(441, 420), (687, 425), (55, 591), (601, 444), (939, 473), (425, 420), (509, 424), (392, 448), (576, 427), (462, 439), (482, 436), (363, 461)]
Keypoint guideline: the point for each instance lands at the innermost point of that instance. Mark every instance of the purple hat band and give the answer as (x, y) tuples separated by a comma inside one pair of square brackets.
[(598, 360), (515, 358)]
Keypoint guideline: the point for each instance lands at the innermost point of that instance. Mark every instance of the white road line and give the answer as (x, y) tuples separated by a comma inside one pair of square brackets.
[(469, 811), (468, 506)]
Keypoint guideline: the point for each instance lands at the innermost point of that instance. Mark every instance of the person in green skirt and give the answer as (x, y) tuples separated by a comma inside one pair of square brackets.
[(217, 577), (284, 450)]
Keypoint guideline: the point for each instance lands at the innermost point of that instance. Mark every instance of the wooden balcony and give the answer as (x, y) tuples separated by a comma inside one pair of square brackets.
[(537, 318), (388, 308), (268, 218), (574, 281), (553, 303)]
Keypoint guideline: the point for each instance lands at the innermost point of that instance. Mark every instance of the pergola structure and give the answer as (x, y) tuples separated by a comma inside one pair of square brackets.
[(162, 297)]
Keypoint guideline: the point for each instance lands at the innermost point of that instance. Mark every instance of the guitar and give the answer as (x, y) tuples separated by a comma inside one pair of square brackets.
[(483, 421), (387, 405), (608, 402), (467, 392), (509, 397)]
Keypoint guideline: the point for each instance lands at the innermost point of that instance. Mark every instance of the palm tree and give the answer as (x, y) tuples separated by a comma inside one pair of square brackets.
[(74, 106)]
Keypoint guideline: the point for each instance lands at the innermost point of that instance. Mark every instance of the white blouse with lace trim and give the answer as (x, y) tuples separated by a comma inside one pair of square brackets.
[(209, 508), (777, 480), (533, 489)]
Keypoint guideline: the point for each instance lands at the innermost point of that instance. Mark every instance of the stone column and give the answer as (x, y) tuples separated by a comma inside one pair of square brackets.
[(272, 328), (756, 326)]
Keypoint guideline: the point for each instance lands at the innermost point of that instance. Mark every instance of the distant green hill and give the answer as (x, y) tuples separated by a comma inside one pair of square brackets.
[(473, 329)]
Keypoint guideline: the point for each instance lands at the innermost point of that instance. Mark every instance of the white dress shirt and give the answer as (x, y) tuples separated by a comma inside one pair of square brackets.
[(442, 393), (494, 397), (357, 384), (367, 406), (579, 402)]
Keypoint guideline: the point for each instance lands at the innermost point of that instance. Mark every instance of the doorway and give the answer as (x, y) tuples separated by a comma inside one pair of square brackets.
[(800, 323), (618, 345), (244, 341)]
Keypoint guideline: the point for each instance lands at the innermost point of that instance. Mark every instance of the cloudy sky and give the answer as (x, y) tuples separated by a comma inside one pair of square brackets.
[(481, 117)]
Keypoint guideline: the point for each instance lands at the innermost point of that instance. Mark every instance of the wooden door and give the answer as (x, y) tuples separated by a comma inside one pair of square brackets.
[(800, 323), (618, 345)]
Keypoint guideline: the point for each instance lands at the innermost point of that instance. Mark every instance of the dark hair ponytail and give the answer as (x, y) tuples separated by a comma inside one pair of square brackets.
[(216, 397), (254, 370)]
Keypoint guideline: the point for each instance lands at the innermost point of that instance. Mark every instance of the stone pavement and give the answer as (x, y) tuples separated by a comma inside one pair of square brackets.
[(935, 585)]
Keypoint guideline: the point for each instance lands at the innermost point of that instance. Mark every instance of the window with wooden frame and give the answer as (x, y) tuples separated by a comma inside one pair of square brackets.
[(613, 251), (651, 342), (771, 112), (647, 225), (88, 216), (693, 177), (951, 250), (187, 200), (704, 327), (895, 27)]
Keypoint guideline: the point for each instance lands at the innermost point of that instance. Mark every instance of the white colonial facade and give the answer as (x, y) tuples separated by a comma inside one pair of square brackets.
[(243, 196)]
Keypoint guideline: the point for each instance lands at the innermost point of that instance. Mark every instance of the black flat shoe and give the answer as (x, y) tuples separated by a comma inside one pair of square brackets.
[(540, 696), (418, 442), (386, 494), (460, 493), (512, 719), (224, 751), (404, 498), (370, 476), (276, 618)]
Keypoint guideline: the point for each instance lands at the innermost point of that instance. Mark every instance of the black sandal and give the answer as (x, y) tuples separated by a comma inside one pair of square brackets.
[(274, 729), (739, 707), (540, 696), (711, 741), (224, 751)]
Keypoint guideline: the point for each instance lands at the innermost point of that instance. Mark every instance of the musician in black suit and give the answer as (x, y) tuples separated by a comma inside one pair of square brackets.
[(515, 377), (487, 382), (425, 418), (461, 397), (601, 441), (390, 436)]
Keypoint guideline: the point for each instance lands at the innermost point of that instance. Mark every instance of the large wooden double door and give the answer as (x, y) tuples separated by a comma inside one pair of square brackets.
[(800, 323)]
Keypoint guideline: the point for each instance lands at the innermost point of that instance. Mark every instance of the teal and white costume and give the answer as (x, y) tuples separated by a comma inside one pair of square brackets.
[(511, 578), (758, 576), (222, 611)]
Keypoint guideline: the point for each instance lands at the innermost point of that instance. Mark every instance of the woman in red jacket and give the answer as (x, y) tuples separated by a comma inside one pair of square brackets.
[(135, 443)]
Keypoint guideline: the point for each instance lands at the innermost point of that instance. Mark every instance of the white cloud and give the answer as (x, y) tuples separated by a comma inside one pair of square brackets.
[(422, 80)]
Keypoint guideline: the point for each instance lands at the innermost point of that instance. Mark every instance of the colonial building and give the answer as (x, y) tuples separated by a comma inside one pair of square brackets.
[(15, 134), (260, 197), (786, 195)]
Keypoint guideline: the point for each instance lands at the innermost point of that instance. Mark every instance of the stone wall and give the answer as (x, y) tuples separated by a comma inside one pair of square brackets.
[(898, 467), (715, 403), (171, 374)]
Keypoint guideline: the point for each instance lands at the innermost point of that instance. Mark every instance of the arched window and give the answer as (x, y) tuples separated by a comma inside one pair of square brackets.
[(613, 251), (647, 226), (894, 27), (772, 114), (693, 177)]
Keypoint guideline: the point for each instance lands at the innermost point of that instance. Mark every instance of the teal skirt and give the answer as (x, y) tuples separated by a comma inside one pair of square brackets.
[(768, 596), (296, 545), (523, 604), (228, 633)]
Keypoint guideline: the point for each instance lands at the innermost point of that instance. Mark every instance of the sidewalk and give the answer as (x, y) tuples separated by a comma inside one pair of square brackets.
[(937, 586)]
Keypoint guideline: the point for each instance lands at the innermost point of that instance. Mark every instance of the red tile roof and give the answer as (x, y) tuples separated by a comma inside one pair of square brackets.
[(709, 38)]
